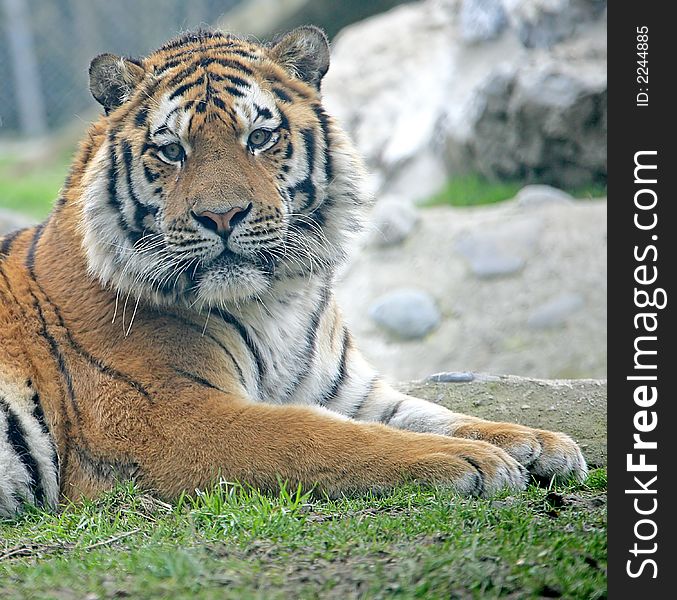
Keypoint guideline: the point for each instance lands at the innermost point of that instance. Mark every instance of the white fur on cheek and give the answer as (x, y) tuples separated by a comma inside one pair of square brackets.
[(111, 255), (101, 238)]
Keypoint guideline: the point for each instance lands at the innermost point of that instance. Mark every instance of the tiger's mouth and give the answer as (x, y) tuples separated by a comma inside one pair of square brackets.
[(229, 278), (228, 261)]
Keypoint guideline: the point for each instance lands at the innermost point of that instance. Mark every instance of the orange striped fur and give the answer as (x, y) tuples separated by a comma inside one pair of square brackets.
[(173, 321)]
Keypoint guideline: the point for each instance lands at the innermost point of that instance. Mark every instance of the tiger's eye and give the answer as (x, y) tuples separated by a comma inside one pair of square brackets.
[(259, 137), (173, 152)]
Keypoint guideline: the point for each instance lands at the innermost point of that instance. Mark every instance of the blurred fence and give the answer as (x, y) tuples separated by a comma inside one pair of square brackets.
[(46, 46)]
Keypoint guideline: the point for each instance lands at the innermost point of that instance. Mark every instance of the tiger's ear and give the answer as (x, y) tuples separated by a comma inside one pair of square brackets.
[(112, 79), (304, 53)]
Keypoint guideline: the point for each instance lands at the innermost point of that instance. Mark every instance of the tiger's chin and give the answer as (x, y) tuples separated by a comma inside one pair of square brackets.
[(229, 284)]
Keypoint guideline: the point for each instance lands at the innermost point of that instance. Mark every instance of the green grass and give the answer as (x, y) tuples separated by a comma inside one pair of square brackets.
[(237, 543), (32, 187), (473, 190)]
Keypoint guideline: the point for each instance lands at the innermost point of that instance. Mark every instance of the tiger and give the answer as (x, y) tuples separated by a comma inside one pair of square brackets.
[(173, 322)]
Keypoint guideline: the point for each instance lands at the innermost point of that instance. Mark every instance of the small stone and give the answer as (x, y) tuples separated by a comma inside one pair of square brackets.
[(500, 251), (406, 313), (486, 267), (555, 312), (539, 195), (525, 407), (452, 377), (392, 221)]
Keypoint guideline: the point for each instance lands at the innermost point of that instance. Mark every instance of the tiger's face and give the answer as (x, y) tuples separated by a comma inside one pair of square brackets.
[(220, 173)]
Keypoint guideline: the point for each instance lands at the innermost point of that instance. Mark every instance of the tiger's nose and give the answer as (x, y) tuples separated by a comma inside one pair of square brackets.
[(222, 222)]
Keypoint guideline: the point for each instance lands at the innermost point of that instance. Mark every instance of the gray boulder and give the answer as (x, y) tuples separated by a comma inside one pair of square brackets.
[(544, 120), (434, 88)]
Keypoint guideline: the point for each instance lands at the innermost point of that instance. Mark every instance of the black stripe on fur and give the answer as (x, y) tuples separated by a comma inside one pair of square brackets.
[(17, 438), (332, 393)]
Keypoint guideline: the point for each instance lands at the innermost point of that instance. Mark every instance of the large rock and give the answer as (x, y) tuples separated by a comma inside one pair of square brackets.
[(576, 407), (388, 84), (543, 23), (438, 87), (544, 119)]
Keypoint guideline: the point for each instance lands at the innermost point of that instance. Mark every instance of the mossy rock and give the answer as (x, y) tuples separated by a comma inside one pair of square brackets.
[(575, 406)]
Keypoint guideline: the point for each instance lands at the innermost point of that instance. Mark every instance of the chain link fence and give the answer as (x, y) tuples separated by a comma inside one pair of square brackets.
[(46, 47)]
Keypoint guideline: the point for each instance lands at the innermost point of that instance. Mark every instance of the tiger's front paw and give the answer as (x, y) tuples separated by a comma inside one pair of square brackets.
[(471, 467), (546, 454)]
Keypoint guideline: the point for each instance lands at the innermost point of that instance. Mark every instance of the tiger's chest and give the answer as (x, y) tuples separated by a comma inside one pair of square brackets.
[(281, 340)]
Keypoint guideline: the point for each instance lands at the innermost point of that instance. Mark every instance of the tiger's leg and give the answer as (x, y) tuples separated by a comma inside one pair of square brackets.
[(544, 453), (189, 442)]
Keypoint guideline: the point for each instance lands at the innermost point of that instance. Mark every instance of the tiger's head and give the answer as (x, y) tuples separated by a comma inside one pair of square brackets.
[(217, 172)]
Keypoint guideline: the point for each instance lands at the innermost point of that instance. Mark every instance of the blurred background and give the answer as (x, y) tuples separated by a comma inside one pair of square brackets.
[(483, 125)]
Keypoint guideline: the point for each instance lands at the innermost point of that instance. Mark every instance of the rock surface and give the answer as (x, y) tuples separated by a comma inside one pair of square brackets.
[(543, 23), (481, 20), (544, 119), (537, 195), (438, 87), (576, 407), (555, 312), (546, 319), (9, 221)]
